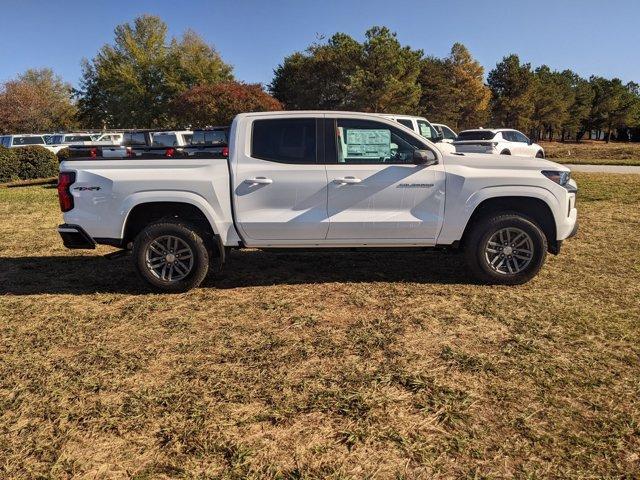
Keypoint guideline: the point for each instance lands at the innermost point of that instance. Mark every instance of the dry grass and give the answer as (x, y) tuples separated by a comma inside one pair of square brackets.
[(322, 366), (593, 152)]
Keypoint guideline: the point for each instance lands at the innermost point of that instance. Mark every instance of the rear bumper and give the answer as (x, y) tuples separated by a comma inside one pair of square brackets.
[(73, 236)]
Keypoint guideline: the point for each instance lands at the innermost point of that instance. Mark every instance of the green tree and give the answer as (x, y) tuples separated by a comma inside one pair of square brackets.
[(437, 98), (320, 77), (511, 85), (36, 101), (132, 82), (376, 75), (578, 111), (552, 97), (386, 79)]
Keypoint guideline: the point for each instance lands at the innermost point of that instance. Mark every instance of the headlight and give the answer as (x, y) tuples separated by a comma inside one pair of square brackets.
[(561, 178)]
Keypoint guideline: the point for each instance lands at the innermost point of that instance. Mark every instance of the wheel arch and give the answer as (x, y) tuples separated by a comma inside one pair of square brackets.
[(149, 209), (533, 207)]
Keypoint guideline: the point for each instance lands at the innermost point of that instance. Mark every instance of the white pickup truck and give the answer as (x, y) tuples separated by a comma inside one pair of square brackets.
[(301, 180)]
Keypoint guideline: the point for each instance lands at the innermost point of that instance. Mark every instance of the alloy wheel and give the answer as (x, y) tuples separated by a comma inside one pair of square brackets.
[(509, 251), (169, 258)]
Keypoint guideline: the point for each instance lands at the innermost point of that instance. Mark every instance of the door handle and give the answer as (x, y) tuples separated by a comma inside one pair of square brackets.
[(259, 180), (348, 180)]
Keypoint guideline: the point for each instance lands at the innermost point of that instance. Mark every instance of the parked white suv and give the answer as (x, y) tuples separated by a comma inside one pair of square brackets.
[(62, 140), (315, 180), (447, 134), (14, 141), (423, 127), (502, 141)]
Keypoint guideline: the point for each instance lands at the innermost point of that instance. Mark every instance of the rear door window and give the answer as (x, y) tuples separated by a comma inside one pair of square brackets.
[(132, 139), (165, 140), (291, 140)]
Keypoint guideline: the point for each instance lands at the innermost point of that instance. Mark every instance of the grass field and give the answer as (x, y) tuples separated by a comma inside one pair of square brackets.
[(592, 152), (322, 366)]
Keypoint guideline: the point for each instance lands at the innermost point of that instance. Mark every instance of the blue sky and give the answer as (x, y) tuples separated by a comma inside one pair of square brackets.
[(590, 37)]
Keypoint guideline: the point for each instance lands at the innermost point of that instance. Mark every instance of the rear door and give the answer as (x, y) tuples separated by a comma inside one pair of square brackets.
[(376, 192), (280, 182)]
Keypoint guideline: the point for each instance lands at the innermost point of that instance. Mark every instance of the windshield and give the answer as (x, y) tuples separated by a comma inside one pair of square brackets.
[(476, 135), (28, 141)]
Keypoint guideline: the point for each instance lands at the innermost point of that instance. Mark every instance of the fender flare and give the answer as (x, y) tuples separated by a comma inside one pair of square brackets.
[(540, 193), (457, 220), (190, 198)]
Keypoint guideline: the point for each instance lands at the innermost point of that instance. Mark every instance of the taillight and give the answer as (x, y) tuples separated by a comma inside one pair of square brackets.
[(93, 153), (170, 152), (130, 152), (225, 152), (65, 180)]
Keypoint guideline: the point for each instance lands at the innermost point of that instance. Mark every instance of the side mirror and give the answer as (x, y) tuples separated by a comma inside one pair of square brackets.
[(424, 157)]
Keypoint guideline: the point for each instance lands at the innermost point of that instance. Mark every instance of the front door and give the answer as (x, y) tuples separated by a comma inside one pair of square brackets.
[(375, 191), (280, 184)]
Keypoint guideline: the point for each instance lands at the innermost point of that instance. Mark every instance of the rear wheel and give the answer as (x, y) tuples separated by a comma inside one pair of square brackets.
[(506, 249), (171, 256), (505, 152), (540, 154)]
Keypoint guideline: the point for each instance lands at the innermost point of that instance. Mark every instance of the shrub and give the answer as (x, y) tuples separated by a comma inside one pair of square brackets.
[(63, 154), (36, 162), (9, 165)]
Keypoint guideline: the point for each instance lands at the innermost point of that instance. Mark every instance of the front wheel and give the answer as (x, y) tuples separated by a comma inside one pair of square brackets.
[(506, 249), (540, 154), (171, 256)]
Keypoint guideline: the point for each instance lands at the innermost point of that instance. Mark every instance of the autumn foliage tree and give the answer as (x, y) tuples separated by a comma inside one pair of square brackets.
[(453, 89), (208, 105), (36, 101)]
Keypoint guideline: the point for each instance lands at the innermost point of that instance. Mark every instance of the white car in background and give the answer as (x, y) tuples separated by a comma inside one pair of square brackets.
[(15, 141), (447, 134), (502, 141), (178, 138), (62, 140), (421, 126)]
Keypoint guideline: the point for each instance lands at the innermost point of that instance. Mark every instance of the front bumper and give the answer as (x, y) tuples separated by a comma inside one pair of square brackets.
[(74, 236)]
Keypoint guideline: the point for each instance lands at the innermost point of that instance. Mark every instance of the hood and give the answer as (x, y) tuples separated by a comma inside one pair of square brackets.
[(490, 161)]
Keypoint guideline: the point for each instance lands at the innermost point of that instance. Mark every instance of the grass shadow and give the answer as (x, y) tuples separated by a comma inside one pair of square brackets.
[(92, 274)]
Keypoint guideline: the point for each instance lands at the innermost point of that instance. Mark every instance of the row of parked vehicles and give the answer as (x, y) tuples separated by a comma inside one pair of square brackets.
[(179, 201), (119, 144)]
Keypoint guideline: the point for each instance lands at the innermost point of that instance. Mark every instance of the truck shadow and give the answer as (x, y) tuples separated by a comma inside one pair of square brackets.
[(253, 268)]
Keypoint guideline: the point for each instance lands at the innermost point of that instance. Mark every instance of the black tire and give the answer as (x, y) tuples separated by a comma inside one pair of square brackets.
[(198, 260), (505, 152), (540, 154), (477, 243)]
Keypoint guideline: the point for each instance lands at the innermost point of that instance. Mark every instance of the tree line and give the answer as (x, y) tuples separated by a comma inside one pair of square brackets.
[(146, 80)]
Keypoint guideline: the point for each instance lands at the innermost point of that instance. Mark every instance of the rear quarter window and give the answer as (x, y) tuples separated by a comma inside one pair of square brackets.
[(284, 141)]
